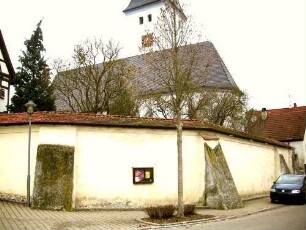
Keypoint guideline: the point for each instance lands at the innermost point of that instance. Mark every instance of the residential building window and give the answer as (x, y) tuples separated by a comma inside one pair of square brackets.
[(150, 18), (140, 20), (2, 93)]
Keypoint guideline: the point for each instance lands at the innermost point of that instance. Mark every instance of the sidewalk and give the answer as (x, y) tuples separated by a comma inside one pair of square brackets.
[(17, 216)]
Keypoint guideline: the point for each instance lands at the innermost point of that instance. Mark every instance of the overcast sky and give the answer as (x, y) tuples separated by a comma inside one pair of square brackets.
[(262, 42)]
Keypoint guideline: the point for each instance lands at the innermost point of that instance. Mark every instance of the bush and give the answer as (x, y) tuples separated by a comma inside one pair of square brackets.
[(189, 209), (160, 212)]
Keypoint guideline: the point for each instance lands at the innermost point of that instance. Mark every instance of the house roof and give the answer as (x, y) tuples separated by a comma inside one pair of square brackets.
[(8, 77), (218, 75), (286, 124), (134, 4), (84, 119)]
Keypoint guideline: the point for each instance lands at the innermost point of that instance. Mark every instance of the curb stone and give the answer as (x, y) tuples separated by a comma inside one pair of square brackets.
[(203, 221), (257, 211), (177, 223)]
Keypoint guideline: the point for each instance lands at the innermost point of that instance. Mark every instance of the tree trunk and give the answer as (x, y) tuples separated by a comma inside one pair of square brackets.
[(180, 194)]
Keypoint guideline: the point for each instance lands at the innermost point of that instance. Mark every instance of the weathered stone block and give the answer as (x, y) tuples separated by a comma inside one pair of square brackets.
[(283, 165), (220, 189), (53, 183)]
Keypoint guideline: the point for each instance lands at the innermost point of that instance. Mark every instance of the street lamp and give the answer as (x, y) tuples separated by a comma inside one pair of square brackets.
[(30, 108)]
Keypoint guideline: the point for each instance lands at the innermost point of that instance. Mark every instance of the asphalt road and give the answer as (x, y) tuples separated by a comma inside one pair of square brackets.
[(290, 217)]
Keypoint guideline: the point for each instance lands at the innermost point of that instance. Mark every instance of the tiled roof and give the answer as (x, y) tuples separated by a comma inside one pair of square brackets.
[(218, 75), (84, 119), (134, 4), (287, 124), (147, 81)]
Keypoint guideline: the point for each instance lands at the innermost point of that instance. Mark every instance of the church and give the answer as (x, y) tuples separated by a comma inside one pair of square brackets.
[(87, 160), (209, 71)]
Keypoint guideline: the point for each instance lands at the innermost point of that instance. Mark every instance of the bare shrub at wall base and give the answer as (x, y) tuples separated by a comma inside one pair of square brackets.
[(160, 212), (189, 209)]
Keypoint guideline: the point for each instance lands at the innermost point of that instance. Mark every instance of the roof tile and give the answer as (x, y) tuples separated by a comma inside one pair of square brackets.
[(218, 76), (287, 124), (147, 81)]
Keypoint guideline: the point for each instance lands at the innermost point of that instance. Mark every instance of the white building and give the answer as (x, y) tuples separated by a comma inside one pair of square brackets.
[(6, 75)]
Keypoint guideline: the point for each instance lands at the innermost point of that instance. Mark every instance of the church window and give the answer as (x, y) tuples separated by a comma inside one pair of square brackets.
[(150, 18), (140, 20)]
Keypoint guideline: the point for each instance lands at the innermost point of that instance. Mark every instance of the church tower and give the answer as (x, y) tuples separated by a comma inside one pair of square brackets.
[(141, 16)]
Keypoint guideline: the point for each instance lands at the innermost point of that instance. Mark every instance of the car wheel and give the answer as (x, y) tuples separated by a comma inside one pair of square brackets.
[(273, 200)]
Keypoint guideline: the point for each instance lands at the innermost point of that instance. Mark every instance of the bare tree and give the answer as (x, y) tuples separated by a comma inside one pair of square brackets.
[(95, 80), (223, 108), (253, 121), (176, 69), (228, 108)]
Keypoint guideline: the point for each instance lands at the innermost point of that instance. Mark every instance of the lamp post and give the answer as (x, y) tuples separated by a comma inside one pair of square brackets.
[(30, 108)]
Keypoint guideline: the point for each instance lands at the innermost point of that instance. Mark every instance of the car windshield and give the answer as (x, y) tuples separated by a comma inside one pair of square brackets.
[(290, 179)]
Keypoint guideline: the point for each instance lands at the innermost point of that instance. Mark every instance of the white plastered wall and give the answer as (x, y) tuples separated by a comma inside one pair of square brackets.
[(254, 166), (105, 157), (14, 158), (300, 149)]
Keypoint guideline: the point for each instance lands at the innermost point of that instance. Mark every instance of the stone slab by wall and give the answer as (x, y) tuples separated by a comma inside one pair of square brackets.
[(53, 183), (283, 165), (220, 189)]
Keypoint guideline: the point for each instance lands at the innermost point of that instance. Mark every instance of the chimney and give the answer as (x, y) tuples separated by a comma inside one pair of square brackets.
[(294, 105), (264, 113)]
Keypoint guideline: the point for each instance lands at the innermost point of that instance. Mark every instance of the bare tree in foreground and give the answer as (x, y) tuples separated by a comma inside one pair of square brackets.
[(96, 81), (176, 66)]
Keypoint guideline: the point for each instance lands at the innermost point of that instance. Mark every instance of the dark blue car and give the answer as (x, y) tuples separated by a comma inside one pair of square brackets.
[(289, 187)]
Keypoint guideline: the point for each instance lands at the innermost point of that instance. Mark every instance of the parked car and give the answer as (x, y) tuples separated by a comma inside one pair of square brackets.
[(289, 187)]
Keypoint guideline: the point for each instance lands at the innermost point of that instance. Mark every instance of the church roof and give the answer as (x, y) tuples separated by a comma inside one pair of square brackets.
[(210, 72), (134, 4), (218, 75)]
